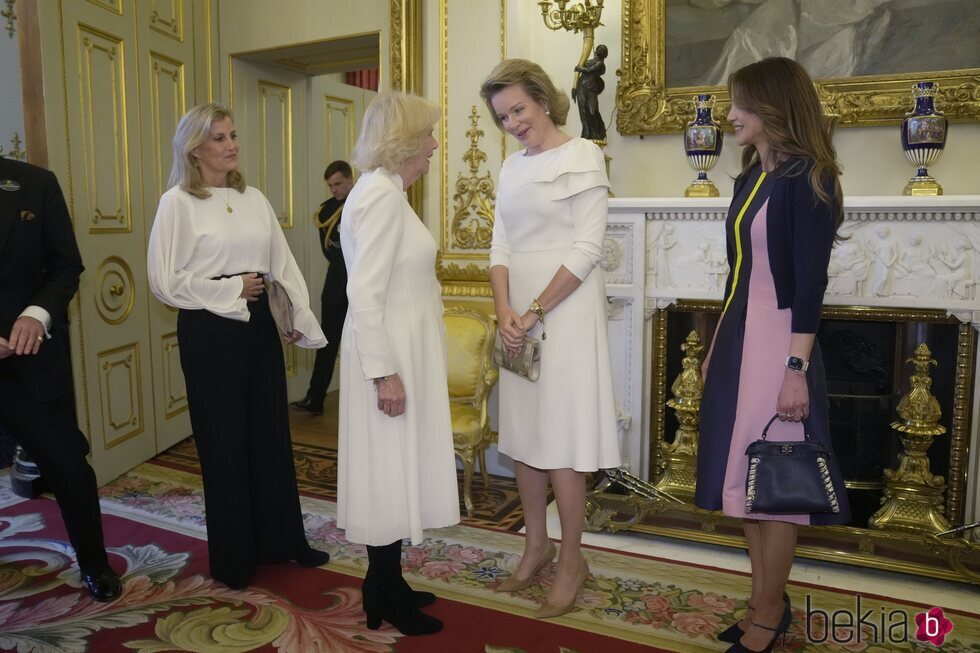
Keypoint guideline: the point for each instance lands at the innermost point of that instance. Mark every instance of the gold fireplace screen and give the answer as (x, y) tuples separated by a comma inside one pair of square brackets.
[(900, 385)]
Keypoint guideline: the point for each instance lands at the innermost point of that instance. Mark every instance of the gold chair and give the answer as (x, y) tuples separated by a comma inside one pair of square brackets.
[(469, 341)]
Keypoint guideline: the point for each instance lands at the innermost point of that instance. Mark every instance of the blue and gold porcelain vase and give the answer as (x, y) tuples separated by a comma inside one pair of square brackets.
[(702, 143), (923, 139)]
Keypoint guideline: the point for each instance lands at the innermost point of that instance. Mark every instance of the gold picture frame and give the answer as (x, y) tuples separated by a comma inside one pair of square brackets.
[(646, 106)]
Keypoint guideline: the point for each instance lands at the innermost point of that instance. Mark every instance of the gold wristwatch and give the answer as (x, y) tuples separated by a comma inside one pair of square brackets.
[(537, 309)]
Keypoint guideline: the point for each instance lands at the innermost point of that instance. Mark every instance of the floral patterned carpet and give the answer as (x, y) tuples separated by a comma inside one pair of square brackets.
[(496, 506), (155, 528)]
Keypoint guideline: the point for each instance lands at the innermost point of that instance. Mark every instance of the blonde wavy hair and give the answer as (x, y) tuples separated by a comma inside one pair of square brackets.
[(781, 93), (535, 82), (192, 130), (392, 130)]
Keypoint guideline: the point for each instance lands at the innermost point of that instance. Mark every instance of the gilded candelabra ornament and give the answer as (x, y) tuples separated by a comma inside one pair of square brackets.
[(15, 152), (11, 16), (679, 458), (924, 139), (913, 499), (473, 201)]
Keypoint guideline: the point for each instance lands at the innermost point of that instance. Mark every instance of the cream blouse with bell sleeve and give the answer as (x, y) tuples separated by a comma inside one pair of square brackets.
[(195, 240)]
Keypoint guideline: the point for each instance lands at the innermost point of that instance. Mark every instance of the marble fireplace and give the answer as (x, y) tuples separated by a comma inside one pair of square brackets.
[(906, 273)]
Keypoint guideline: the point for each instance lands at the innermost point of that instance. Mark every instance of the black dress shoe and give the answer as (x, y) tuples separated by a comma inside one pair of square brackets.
[(312, 558), (307, 405), (104, 586)]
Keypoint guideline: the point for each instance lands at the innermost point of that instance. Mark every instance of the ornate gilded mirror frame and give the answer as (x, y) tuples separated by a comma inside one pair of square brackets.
[(646, 106)]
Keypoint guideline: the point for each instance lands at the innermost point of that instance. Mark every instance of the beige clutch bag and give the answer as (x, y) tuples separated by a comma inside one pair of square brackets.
[(281, 307), (527, 364)]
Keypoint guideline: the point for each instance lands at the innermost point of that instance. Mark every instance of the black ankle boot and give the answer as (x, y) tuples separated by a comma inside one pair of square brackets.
[(388, 597), (398, 610), (419, 598)]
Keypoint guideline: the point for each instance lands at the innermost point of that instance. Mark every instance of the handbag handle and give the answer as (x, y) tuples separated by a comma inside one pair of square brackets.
[(806, 431)]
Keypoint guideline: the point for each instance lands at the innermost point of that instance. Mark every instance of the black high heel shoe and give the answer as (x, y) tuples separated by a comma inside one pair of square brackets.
[(779, 631), (733, 632)]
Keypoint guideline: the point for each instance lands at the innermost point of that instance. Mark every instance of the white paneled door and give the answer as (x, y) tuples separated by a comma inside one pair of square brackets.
[(129, 74), (270, 107), (335, 116)]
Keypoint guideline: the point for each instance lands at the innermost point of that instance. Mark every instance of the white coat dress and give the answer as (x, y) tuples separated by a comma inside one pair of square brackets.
[(396, 475)]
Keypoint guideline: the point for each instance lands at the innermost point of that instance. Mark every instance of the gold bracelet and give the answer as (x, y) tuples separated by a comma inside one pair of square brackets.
[(381, 379), (538, 310)]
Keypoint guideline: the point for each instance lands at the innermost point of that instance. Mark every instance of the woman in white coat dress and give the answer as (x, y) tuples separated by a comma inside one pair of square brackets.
[(547, 241), (397, 474)]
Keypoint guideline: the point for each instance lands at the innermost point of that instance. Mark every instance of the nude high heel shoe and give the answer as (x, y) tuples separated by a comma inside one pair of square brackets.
[(514, 584), (550, 610)]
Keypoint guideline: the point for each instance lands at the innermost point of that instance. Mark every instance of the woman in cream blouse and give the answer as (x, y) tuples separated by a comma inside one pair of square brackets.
[(212, 241)]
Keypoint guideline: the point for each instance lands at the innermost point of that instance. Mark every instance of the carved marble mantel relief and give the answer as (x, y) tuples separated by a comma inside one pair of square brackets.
[(909, 252)]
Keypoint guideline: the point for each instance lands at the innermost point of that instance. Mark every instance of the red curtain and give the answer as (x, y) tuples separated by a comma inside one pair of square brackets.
[(366, 79)]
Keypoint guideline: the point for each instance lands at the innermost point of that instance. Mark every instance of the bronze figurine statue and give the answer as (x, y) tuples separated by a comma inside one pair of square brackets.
[(586, 94)]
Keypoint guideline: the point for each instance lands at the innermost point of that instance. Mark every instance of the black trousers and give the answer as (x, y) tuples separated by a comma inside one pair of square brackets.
[(332, 321), (48, 431), (236, 393)]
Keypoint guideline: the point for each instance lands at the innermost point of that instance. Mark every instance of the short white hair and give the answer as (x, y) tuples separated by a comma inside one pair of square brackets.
[(392, 130)]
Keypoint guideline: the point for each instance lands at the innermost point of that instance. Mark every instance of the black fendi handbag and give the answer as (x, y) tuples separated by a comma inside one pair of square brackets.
[(787, 478)]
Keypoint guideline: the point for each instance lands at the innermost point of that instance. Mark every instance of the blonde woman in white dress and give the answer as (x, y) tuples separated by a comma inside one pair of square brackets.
[(397, 474), (547, 241)]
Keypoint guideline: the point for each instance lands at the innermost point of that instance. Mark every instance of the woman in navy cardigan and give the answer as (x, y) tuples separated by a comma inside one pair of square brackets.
[(763, 359)]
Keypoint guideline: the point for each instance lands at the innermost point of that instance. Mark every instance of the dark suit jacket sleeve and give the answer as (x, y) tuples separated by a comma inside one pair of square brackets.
[(62, 261), (813, 229)]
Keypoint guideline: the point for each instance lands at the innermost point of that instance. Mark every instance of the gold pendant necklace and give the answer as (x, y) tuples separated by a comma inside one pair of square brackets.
[(227, 201)]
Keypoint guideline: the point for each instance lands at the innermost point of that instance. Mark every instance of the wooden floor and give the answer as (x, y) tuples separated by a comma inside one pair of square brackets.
[(319, 430)]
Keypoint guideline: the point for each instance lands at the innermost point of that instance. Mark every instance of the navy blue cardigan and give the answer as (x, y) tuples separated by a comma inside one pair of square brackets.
[(800, 230)]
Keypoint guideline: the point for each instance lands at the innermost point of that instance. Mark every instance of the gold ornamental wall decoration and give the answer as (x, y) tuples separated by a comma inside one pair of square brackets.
[(11, 16), (913, 499), (473, 201), (679, 458), (15, 151)]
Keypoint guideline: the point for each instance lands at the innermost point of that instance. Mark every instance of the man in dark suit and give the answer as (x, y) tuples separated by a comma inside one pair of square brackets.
[(39, 270), (333, 299)]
